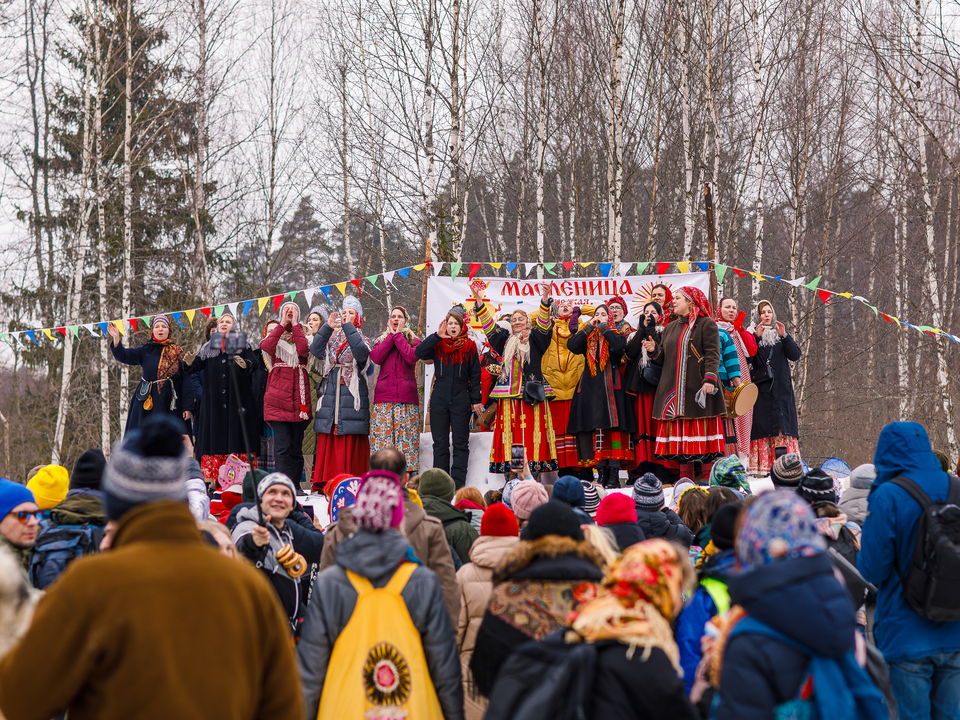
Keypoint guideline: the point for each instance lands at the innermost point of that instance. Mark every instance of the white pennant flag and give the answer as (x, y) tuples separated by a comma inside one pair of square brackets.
[(388, 276), (232, 307), (530, 267), (624, 267), (16, 336), (796, 283), (89, 329), (861, 298), (437, 267), (308, 294)]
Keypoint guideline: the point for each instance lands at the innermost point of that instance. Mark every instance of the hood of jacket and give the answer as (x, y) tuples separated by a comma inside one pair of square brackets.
[(80, 506), (488, 550), (552, 557), (626, 534), (903, 448), (442, 510), (802, 599), (373, 555), (654, 523)]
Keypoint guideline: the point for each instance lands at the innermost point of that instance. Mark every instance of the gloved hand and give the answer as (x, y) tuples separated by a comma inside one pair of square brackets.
[(575, 320)]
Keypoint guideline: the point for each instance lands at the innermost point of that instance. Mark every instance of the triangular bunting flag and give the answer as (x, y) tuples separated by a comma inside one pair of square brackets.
[(292, 296), (356, 284), (419, 267), (568, 265), (529, 267), (495, 266), (261, 304), (89, 327), (721, 271), (62, 331), (797, 282), (662, 268), (550, 268), (511, 266), (812, 285), (218, 310), (403, 272), (475, 268), (372, 279), (758, 276), (247, 304), (586, 264), (605, 269), (872, 307), (46, 331), (325, 289), (232, 307), (703, 266), (624, 268), (277, 302), (74, 330), (437, 267), (642, 267), (861, 298), (342, 287), (845, 295), (683, 267), (118, 324), (103, 328), (455, 269), (30, 335), (824, 295), (176, 318), (191, 313), (308, 294), (388, 276), (206, 311), (770, 277), (133, 323)]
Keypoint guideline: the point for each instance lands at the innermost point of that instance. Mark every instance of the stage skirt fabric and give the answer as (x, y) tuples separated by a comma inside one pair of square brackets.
[(763, 451), (337, 454), (566, 444), (691, 439), (518, 423), (615, 446), (210, 464), (397, 425)]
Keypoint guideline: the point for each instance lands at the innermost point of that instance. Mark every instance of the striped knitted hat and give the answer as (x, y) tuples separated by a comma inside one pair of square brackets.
[(591, 498), (648, 492)]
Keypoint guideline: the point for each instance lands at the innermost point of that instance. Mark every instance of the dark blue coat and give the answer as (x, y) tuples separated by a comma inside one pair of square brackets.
[(148, 358), (776, 410), (352, 422), (800, 598), (663, 523)]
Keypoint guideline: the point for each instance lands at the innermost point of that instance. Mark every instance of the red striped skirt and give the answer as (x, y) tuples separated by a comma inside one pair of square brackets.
[(566, 444), (518, 423), (691, 439)]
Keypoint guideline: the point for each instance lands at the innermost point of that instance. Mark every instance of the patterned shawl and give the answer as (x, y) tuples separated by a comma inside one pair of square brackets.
[(340, 353), (170, 358), (675, 400)]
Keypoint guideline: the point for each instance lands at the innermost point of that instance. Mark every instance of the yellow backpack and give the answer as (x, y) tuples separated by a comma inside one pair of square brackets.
[(377, 669)]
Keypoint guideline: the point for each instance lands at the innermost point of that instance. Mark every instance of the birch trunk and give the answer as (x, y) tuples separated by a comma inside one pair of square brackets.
[(688, 211), (756, 62), (525, 154), (430, 196), (652, 222), (345, 172), (455, 133), (102, 254), (542, 64), (201, 271), (615, 133), (126, 309)]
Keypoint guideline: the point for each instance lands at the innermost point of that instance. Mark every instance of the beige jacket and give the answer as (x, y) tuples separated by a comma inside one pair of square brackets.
[(476, 584)]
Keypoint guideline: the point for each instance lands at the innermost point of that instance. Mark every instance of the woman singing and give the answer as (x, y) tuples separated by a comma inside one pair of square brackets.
[(734, 338)]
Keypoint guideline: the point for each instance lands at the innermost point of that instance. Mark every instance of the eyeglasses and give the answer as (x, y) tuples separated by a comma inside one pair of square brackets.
[(24, 515)]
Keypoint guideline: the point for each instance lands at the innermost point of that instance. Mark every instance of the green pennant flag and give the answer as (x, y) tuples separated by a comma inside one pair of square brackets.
[(372, 279), (455, 269), (218, 310), (549, 267), (812, 285), (875, 311), (292, 296), (642, 267), (146, 320), (721, 271), (74, 330)]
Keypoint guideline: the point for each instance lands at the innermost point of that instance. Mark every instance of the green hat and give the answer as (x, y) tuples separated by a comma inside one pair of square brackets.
[(437, 483), (250, 482)]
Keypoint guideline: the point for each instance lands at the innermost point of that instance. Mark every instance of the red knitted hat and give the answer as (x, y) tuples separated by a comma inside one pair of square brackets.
[(499, 521), (616, 508)]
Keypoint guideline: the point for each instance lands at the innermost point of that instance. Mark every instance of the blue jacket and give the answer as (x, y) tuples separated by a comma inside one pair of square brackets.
[(800, 598), (698, 611), (890, 531)]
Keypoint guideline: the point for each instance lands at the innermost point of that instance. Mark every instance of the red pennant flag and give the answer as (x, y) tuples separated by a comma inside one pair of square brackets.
[(62, 331), (277, 302), (568, 265), (474, 268), (356, 284), (740, 273), (662, 268), (824, 295), (133, 322), (205, 311), (887, 318)]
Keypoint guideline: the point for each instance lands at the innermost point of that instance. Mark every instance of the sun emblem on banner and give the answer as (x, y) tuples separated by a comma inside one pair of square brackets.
[(642, 296), (386, 676), (479, 288)]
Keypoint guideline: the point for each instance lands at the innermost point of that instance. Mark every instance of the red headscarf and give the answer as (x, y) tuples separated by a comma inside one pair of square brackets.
[(749, 341), (667, 304), (700, 304), (620, 301)]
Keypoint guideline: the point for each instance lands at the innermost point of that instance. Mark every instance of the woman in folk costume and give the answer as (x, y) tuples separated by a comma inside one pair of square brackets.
[(343, 413), (600, 416), (737, 346), (558, 320), (315, 320), (395, 419), (663, 296), (219, 427), (775, 414), (618, 315), (518, 422), (163, 387), (689, 352), (286, 402)]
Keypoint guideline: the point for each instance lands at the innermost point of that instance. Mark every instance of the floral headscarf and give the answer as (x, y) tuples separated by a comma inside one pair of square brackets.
[(638, 598), (172, 354), (729, 472), (699, 303), (780, 525)]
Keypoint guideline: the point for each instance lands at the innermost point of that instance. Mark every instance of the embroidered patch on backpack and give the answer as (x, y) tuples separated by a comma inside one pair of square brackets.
[(386, 677)]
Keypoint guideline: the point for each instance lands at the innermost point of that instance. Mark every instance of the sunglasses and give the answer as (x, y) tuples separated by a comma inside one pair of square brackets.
[(24, 515)]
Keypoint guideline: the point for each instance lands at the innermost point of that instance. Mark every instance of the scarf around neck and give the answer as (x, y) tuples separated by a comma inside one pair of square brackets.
[(456, 351), (170, 357), (598, 350), (340, 353)]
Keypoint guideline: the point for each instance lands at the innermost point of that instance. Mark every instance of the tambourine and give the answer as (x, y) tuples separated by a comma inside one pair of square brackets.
[(741, 400)]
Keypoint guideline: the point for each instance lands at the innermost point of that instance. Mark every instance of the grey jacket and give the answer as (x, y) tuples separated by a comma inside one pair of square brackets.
[(376, 556), (352, 421), (854, 504)]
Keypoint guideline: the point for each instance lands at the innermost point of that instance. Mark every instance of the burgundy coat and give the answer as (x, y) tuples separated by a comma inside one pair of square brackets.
[(397, 381), (282, 400)]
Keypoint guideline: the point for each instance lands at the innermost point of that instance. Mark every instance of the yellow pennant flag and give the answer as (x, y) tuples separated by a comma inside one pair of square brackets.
[(846, 295), (683, 266), (190, 314), (46, 332), (759, 277), (495, 266), (262, 303), (586, 264), (419, 267), (342, 287), (118, 324)]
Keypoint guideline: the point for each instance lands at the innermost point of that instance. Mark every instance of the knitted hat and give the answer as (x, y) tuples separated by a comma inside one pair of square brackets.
[(591, 498), (11, 495), (615, 508), (619, 301), (149, 464), (88, 470), (723, 524), (499, 521), (49, 486), (552, 518), (787, 471), (275, 478), (729, 472), (351, 303), (862, 476), (817, 487), (648, 492), (681, 485), (250, 481), (459, 310), (778, 526), (569, 490), (283, 307), (379, 504), (437, 483), (527, 496), (160, 319)]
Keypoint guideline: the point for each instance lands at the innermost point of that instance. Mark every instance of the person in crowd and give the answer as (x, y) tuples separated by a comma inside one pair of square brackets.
[(729, 472), (455, 392), (689, 352), (787, 605), (17, 601), (198, 493), (561, 371), (266, 457), (600, 416), (692, 509), (49, 486), (286, 401), (923, 655), (470, 501), (737, 346), (141, 605), (853, 503), (618, 513), (663, 296), (219, 425), (315, 320), (526, 497), (162, 388), (519, 422), (343, 413), (550, 572), (655, 520), (775, 414), (272, 545), (592, 494), (424, 533), (367, 653), (787, 471), (711, 596), (395, 418), (19, 521), (618, 315), (436, 491), (218, 535), (499, 533), (569, 491), (678, 489)]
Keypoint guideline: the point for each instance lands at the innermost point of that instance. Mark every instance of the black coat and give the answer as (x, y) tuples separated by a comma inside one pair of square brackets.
[(539, 342), (633, 375), (626, 534), (663, 523), (177, 391), (776, 410), (452, 384), (217, 426), (594, 398), (258, 386), (351, 421)]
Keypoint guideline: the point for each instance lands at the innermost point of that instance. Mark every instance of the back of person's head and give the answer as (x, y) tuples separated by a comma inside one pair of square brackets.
[(469, 493), (437, 483), (526, 497), (148, 465), (88, 470), (862, 476), (569, 490), (389, 459), (817, 488), (616, 508), (724, 526), (499, 521), (903, 448), (413, 483), (492, 497), (787, 471), (250, 482), (49, 486), (944, 460), (379, 504), (779, 526), (648, 492), (718, 497), (692, 509), (592, 494), (552, 518)]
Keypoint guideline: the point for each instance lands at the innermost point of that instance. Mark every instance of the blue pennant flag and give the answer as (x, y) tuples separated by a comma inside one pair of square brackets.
[(605, 269), (325, 289), (403, 273), (31, 336), (247, 304), (103, 328), (511, 267), (176, 316), (704, 266)]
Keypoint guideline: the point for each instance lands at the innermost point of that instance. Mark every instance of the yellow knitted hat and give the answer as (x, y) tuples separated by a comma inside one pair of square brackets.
[(49, 486)]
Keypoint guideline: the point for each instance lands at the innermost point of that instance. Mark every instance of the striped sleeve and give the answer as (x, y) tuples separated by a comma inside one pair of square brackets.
[(485, 317), (729, 360), (543, 321)]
